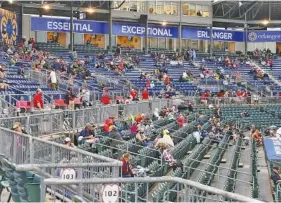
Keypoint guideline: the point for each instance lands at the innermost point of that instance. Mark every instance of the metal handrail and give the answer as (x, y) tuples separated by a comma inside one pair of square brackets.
[(237, 197), (31, 138)]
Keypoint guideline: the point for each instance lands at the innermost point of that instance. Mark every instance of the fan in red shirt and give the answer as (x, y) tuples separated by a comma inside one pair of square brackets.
[(245, 94), (147, 84), (105, 99), (145, 94), (139, 118), (167, 80), (134, 94), (220, 94), (239, 93), (108, 122), (180, 120), (37, 100)]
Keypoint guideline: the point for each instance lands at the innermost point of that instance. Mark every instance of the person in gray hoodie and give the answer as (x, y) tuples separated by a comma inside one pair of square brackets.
[(115, 137)]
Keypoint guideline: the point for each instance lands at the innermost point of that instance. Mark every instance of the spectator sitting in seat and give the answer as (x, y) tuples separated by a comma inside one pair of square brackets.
[(214, 137), (275, 176), (3, 86), (181, 120), (165, 139), (256, 136), (18, 128), (142, 138), (115, 136), (21, 71), (2, 73), (67, 142), (134, 128), (244, 114), (126, 166), (164, 112), (190, 107), (86, 97), (88, 133)]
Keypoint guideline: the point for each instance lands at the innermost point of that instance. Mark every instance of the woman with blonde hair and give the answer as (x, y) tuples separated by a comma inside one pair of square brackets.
[(126, 166)]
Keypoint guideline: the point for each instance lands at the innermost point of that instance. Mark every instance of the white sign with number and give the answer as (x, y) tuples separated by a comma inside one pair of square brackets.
[(68, 174), (110, 193)]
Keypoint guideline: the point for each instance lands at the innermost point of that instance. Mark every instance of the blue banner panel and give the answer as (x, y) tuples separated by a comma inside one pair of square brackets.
[(63, 25), (220, 35), (272, 148), (264, 36), (139, 30)]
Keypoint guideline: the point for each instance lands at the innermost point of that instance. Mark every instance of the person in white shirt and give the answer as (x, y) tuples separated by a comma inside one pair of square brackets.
[(184, 75), (53, 78), (86, 97), (152, 85), (9, 51)]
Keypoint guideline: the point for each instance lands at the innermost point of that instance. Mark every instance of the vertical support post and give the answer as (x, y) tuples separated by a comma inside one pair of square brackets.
[(136, 192), (180, 28), (80, 176), (211, 40), (31, 150), (42, 190), (146, 36), (21, 14), (14, 157), (71, 27), (110, 27), (246, 34), (115, 171)]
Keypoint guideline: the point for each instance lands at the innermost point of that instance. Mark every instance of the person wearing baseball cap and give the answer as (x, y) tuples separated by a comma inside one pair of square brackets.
[(67, 142), (89, 131)]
